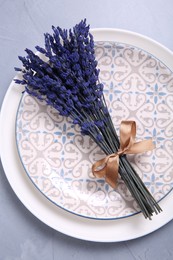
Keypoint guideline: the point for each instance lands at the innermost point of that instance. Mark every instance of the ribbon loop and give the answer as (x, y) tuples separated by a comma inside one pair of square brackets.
[(108, 166)]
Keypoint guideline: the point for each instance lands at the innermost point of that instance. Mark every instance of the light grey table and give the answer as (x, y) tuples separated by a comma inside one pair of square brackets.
[(22, 24)]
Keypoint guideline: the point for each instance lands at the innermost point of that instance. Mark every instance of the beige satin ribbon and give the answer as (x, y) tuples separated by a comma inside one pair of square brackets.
[(110, 164)]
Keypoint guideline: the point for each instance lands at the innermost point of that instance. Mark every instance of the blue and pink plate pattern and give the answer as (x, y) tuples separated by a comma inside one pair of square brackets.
[(58, 159)]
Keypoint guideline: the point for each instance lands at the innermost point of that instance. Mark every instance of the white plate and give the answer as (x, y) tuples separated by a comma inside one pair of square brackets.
[(58, 159), (87, 229)]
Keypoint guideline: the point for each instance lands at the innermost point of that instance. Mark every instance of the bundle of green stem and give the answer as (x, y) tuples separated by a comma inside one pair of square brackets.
[(143, 197)]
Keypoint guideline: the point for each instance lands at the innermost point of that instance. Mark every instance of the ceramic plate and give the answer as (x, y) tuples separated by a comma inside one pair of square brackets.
[(57, 218), (58, 159)]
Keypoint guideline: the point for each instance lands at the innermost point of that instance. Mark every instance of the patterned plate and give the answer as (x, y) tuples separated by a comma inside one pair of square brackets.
[(58, 159)]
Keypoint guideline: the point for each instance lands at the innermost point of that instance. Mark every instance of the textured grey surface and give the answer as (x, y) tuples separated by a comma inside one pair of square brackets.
[(22, 24)]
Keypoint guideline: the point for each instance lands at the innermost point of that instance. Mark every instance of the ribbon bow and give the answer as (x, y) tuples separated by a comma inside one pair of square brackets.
[(110, 164)]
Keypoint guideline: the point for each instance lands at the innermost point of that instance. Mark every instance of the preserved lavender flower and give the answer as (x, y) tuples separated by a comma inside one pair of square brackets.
[(69, 82)]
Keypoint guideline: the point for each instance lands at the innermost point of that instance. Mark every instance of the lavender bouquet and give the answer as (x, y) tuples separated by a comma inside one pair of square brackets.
[(67, 78)]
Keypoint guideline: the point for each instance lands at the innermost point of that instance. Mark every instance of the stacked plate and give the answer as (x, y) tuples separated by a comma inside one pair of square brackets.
[(48, 163)]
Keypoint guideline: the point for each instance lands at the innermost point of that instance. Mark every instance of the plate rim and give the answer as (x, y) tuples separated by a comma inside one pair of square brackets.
[(82, 228)]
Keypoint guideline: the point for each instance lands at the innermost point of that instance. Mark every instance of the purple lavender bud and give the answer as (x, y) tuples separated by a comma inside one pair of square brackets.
[(69, 82), (74, 57), (99, 138), (99, 123), (70, 103), (18, 81), (17, 69), (47, 45), (41, 50), (79, 104), (51, 96), (64, 113), (76, 121), (75, 98), (105, 111)]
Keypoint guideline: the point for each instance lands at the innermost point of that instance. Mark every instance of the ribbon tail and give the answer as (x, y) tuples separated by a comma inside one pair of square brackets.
[(112, 171), (141, 147), (109, 169), (99, 167)]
